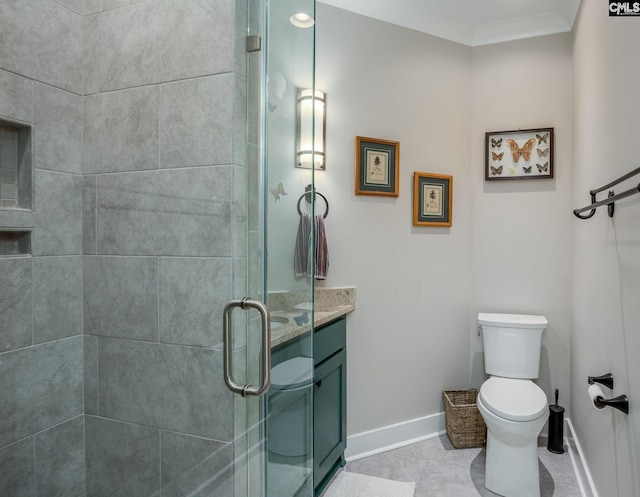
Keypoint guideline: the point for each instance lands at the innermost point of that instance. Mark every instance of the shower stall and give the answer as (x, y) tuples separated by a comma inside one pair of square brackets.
[(139, 141)]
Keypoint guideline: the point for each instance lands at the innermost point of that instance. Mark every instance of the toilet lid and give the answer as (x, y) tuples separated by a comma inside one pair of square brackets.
[(513, 399), (292, 373)]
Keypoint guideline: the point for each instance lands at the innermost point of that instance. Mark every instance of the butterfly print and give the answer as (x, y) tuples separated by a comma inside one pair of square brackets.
[(497, 156), (278, 192), (496, 170), (301, 319), (543, 153), (524, 151), (527, 169), (544, 168), (542, 139), (496, 143)]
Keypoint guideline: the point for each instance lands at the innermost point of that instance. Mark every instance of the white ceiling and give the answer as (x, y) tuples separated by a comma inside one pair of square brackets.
[(471, 22)]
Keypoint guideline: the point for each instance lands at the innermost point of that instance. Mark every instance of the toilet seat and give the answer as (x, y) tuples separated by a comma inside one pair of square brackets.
[(513, 399), (292, 373)]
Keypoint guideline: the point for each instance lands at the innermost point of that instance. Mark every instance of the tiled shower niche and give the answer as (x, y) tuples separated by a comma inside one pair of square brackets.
[(16, 173), (15, 243), (15, 166)]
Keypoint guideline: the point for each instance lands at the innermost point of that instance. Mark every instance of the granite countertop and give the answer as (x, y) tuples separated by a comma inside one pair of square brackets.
[(291, 315)]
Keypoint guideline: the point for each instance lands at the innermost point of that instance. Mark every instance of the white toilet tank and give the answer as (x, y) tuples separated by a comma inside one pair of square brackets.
[(512, 344)]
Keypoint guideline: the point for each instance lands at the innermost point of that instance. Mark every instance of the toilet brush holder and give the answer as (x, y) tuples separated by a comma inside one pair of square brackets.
[(555, 442)]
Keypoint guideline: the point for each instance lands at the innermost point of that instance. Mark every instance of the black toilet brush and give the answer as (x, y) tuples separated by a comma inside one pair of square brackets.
[(556, 427)]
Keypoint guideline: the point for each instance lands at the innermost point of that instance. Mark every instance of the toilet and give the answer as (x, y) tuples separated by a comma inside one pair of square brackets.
[(513, 407), (289, 408)]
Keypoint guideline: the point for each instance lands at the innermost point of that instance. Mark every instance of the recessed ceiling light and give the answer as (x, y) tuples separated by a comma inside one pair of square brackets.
[(302, 20)]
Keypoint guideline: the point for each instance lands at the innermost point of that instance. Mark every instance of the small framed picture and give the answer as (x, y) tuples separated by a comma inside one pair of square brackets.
[(377, 167), (432, 199), (520, 154)]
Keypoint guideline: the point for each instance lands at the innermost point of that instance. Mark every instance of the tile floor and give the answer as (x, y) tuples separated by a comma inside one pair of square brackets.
[(439, 470)]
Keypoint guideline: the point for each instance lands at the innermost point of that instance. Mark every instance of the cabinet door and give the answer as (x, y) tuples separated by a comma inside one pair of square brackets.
[(330, 413)]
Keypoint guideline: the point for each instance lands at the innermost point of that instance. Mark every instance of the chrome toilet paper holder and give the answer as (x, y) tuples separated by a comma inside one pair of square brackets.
[(621, 402)]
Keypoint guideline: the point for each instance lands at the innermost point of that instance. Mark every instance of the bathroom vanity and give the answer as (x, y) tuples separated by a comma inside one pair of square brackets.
[(309, 382), (329, 401)]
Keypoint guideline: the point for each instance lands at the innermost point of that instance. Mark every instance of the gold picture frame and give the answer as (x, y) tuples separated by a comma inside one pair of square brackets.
[(377, 167), (432, 199)]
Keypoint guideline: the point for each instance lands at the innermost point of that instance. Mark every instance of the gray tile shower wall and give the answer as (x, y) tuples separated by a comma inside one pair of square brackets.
[(57, 297), (121, 130), (58, 121), (75, 5), (129, 459), (172, 387), (19, 480), (58, 210), (42, 40), (91, 7), (121, 297), (197, 128), (193, 292), (193, 463), (91, 33), (171, 212), (15, 304), (164, 241), (138, 44), (41, 363), (16, 94), (196, 119), (42, 387), (122, 459), (49, 464), (89, 227), (60, 460), (90, 374), (110, 351)]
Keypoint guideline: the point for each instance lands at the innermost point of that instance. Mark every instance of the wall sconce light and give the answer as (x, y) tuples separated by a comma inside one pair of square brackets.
[(310, 129)]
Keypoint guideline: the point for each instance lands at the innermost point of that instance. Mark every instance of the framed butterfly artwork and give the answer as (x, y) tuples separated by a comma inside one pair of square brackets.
[(432, 199), (519, 154), (377, 167)]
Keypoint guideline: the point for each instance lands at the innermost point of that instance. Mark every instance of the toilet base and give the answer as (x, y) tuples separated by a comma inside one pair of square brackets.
[(512, 471)]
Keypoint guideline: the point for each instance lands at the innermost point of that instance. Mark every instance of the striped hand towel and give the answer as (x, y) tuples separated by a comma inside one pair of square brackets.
[(309, 260), (322, 252), (303, 243)]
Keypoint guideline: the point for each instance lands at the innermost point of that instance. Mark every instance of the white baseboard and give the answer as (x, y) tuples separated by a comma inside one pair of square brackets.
[(394, 436), (398, 435), (580, 467)]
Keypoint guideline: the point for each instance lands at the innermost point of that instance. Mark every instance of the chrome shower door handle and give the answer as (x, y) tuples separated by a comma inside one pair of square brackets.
[(227, 337)]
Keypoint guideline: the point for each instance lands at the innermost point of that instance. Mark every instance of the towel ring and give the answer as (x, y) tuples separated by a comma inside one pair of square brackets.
[(317, 193)]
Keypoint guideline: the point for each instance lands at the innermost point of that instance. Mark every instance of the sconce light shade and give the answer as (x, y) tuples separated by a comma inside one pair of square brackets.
[(311, 124)]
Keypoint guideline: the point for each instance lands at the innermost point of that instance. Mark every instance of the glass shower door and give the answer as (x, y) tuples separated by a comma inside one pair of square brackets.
[(138, 197), (288, 408), (275, 428)]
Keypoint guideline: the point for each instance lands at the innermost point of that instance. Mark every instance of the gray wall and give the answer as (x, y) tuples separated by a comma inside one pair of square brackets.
[(41, 423), (606, 272), (508, 249), (139, 238), (521, 230), (525, 251), (408, 338)]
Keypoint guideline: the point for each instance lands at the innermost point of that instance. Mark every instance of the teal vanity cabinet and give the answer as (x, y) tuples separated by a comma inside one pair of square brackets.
[(289, 410), (329, 401)]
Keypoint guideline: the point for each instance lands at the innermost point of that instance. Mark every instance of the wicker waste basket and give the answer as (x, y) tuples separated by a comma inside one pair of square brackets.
[(465, 426)]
